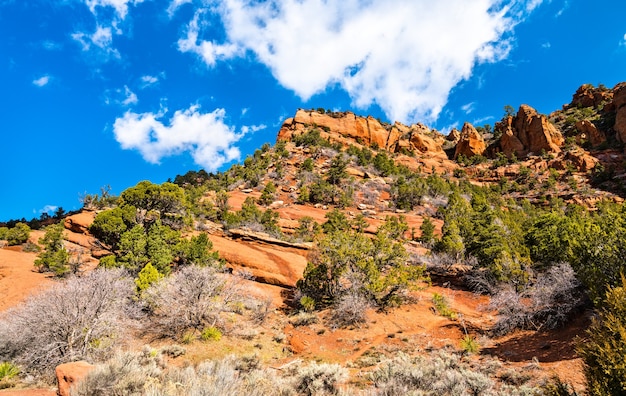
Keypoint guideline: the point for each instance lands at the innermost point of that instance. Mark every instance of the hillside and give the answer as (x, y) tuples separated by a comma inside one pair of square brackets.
[(352, 252)]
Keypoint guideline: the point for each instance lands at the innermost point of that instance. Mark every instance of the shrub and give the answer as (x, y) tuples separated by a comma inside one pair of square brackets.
[(54, 258), (146, 277), (7, 372), (189, 301), (604, 350), (440, 374), (124, 374), (78, 319), (349, 310), (211, 333), (320, 379), (307, 303), (548, 303), (469, 344), (18, 234), (442, 307), (303, 319)]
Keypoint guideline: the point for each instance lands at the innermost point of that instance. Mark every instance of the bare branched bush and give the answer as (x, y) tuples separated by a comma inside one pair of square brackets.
[(548, 303), (194, 298), (80, 318), (349, 310)]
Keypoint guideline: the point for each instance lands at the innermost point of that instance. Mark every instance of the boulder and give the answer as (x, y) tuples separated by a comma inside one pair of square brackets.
[(69, 374), (80, 222), (582, 160), (588, 131), (471, 143), (529, 133)]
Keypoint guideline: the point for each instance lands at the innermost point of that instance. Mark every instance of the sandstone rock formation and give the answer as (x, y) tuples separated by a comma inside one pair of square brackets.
[(471, 143), (80, 222), (588, 131), (528, 133), (619, 102), (70, 373), (347, 128), (454, 136), (589, 96)]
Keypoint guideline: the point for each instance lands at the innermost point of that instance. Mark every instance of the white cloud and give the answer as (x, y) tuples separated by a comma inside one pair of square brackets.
[(149, 80), (207, 50), (546, 45), (120, 6), (468, 108), (624, 40), (102, 39), (131, 98), (210, 141), (48, 209), (41, 81), (404, 55), (171, 10)]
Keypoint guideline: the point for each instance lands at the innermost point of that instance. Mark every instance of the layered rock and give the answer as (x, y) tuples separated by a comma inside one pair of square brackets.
[(528, 133), (619, 101), (470, 143), (347, 128)]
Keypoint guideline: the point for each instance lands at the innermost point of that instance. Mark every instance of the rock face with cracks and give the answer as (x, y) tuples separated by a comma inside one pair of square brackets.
[(528, 133), (347, 128), (470, 143)]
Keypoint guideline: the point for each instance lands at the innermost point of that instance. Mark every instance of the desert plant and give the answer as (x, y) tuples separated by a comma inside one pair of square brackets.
[(349, 310), (54, 258), (124, 374), (548, 303), (303, 319), (211, 333), (320, 379), (18, 234), (307, 303), (8, 371), (441, 373), (80, 318), (469, 344), (442, 306), (189, 300), (604, 350), (146, 277)]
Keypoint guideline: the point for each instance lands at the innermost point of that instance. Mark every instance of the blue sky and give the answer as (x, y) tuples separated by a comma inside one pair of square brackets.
[(112, 92)]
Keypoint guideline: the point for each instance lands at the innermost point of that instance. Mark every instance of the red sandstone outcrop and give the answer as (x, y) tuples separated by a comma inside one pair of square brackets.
[(589, 96), (471, 143), (80, 222), (454, 136), (588, 131), (69, 374), (528, 133), (347, 128), (267, 263), (619, 101)]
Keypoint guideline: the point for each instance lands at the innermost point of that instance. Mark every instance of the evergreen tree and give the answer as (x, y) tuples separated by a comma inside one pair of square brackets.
[(54, 258)]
